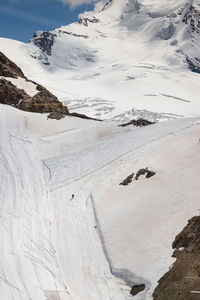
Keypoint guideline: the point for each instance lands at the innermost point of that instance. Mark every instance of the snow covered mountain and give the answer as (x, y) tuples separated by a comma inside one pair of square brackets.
[(120, 59), (70, 228)]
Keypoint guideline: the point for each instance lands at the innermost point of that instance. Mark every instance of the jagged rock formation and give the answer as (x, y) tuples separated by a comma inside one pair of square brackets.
[(137, 123), (183, 279), (42, 102), (44, 40)]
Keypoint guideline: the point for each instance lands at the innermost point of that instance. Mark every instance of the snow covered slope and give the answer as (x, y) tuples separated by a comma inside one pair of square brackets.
[(125, 59), (94, 245), (41, 259), (125, 55)]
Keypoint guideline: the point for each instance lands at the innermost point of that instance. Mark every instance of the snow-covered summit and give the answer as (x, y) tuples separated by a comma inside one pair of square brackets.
[(150, 23)]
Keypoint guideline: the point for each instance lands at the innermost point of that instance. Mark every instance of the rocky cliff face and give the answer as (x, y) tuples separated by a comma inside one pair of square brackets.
[(9, 68), (183, 279), (42, 101)]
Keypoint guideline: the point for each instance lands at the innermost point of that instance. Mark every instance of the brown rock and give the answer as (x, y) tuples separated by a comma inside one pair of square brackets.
[(42, 102), (128, 180), (9, 68), (184, 276), (136, 289), (146, 172), (10, 94)]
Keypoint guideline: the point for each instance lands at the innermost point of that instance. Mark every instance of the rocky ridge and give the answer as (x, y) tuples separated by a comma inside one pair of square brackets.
[(42, 102), (182, 281)]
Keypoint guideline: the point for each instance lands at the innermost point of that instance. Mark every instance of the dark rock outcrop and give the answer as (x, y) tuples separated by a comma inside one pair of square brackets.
[(193, 64), (128, 180), (137, 288), (85, 21), (138, 123), (9, 68), (141, 172), (183, 279), (42, 102), (73, 34), (191, 18), (44, 40), (10, 94), (146, 172), (166, 33), (56, 115), (82, 116)]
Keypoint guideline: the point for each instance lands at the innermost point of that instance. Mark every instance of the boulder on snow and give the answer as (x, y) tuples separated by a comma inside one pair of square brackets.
[(128, 180), (146, 172), (137, 288), (138, 123)]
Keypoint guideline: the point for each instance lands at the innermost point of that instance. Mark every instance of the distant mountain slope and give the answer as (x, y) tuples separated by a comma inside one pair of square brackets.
[(175, 24), (131, 54)]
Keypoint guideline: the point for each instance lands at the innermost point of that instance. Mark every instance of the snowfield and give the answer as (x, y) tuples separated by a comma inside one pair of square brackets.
[(107, 237), (69, 230)]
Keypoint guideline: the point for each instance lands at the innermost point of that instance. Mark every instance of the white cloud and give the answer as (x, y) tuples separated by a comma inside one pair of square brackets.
[(75, 3)]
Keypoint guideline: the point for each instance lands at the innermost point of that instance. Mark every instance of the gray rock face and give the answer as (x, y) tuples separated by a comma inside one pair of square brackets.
[(44, 40), (86, 21), (193, 64), (192, 18), (167, 32)]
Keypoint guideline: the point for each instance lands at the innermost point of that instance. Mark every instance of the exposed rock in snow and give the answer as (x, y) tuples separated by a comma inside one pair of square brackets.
[(44, 41), (137, 289), (146, 172), (182, 280), (128, 180), (25, 94), (9, 68), (23, 84), (138, 123)]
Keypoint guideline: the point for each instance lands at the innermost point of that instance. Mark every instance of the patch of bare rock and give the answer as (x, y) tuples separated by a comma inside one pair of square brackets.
[(137, 123), (136, 289), (9, 68), (148, 173), (182, 281), (43, 102)]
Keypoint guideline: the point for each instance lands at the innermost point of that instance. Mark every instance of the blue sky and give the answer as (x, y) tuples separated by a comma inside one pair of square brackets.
[(19, 19)]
